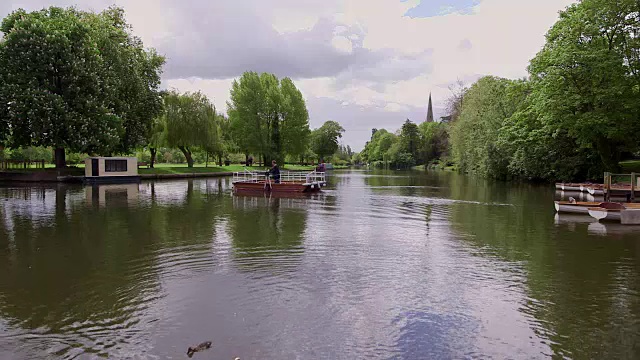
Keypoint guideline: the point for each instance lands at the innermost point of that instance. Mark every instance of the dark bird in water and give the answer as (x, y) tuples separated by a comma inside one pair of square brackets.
[(205, 345)]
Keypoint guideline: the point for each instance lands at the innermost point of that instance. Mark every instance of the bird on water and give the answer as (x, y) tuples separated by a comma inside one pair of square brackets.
[(202, 346)]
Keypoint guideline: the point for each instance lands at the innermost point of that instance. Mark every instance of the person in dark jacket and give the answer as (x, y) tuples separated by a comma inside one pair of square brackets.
[(275, 172)]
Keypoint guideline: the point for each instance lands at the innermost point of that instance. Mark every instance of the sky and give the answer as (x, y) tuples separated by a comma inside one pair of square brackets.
[(364, 63)]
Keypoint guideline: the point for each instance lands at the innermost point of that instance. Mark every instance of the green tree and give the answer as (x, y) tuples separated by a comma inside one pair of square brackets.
[(295, 130), (324, 140), (157, 137), (190, 122), (245, 114), (268, 117), (474, 135), (410, 138), (587, 78), (75, 80), (434, 141)]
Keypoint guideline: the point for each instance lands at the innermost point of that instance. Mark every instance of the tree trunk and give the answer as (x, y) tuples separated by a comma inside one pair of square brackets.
[(609, 155), (206, 161), (219, 160), (60, 160), (246, 159), (187, 155), (153, 156)]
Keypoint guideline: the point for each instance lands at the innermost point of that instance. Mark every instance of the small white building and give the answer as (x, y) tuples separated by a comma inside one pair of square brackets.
[(111, 169)]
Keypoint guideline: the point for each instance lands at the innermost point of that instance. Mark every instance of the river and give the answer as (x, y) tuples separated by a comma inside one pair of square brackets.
[(381, 265)]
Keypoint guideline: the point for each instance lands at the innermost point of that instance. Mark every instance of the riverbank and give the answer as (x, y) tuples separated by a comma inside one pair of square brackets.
[(159, 172)]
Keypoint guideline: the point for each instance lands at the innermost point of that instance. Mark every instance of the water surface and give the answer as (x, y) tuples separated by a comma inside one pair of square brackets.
[(382, 265)]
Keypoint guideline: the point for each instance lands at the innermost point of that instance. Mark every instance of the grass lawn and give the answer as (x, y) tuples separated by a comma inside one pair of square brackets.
[(630, 166)]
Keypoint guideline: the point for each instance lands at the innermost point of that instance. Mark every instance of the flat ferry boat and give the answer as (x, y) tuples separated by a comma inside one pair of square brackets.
[(289, 182)]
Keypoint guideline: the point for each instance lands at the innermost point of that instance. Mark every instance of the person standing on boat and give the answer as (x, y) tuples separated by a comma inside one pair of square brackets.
[(275, 172)]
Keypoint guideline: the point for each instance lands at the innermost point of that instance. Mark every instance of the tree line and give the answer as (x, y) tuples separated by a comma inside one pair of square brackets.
[(81, 82), (409, 146), (575, 116)]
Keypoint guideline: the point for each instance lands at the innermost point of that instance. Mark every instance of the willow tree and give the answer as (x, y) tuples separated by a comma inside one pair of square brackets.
[(76, 80), (191, 123)]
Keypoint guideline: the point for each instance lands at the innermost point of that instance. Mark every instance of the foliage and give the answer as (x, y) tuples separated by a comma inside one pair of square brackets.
[(30, 153), (434, 141), (587, 78), (410, 139), (76, 80), (576, 116), (190, 122), (473, 136), (324, 140), (268, 116)]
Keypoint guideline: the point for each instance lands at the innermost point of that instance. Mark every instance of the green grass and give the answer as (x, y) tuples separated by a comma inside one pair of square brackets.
[(630, 166)]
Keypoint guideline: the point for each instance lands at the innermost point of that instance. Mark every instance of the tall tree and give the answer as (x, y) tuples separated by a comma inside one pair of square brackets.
[(268, 117), (245, 114), (295, 130), (272, 103), (410, 138), (191, 122), (473, 136), (587, 77), (76, 80), (324, 140)]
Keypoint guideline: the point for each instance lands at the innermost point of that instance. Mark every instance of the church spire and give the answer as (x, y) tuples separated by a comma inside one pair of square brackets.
[(430, 110)]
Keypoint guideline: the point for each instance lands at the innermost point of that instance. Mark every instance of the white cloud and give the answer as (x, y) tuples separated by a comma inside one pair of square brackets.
[(364, 56)]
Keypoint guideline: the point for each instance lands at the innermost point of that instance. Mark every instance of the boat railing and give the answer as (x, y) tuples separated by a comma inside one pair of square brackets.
[(249, 176), (301, 176), (285, 177)]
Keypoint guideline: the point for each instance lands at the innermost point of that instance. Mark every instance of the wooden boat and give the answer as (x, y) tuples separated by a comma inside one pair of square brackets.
[(595, 191), (578, 187), (571, 187), (600, 214), (289, 182), (575, 207), (579, 207)]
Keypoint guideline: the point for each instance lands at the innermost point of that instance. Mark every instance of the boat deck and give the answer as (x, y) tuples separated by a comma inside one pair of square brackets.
[(288, 182)]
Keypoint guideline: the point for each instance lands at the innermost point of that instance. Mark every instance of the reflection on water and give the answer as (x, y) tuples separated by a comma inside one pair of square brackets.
[(407, 265)]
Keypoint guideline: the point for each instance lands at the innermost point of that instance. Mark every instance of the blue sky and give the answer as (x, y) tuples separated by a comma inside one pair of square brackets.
[(440, 7)]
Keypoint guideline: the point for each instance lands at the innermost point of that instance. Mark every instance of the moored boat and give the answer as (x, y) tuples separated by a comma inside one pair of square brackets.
[(579, 207), (600, 214), (595, 190), (574, 207)]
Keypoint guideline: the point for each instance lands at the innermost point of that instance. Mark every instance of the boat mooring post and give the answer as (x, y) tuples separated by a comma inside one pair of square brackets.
[(633, 187), (607, 186)]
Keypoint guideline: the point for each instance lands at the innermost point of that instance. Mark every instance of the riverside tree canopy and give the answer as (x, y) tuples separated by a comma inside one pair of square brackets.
[(76, 80), (268, 116)]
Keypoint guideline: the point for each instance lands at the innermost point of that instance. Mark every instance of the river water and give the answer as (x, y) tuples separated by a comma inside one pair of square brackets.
[(381, 265)]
